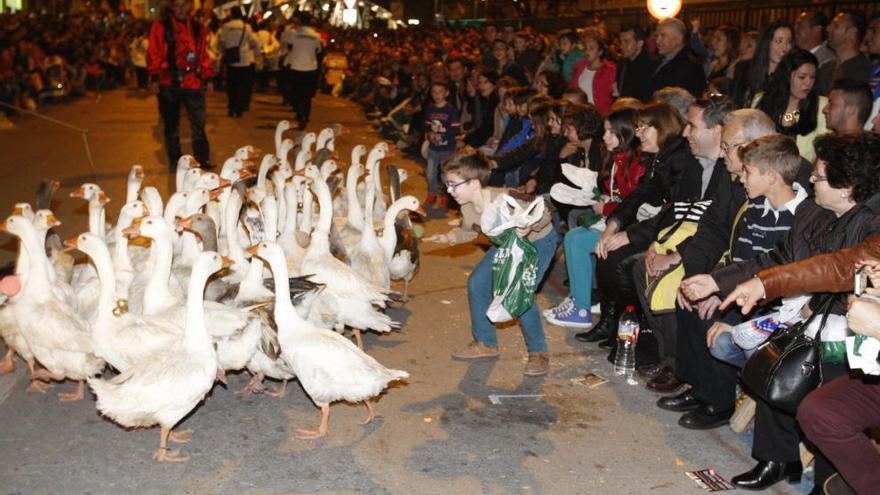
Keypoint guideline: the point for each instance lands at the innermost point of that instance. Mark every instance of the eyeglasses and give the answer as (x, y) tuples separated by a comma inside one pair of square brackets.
[(727, 147), (642, 128), (451, 187), (817, 178)]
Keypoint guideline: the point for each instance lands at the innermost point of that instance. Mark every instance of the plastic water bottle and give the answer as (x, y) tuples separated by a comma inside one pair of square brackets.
[(627, 336)]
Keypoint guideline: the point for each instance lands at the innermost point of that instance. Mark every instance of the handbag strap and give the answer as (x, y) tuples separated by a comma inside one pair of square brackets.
[(824, 308)]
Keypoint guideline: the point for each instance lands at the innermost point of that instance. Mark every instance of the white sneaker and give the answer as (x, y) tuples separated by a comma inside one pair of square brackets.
[(595, 309)]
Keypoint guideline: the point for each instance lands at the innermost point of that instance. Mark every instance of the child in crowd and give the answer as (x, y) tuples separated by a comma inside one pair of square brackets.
[(466, 177), (618, 177), (442, 125)]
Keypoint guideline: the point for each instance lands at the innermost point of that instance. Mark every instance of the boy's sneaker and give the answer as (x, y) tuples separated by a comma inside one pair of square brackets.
[(476, 350), (574, 317), (565, 305)]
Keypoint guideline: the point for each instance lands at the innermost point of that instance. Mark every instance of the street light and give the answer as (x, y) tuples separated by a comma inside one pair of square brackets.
[(661, 9)]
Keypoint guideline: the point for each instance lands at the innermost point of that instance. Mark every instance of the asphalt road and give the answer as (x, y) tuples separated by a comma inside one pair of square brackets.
[(439, 433)]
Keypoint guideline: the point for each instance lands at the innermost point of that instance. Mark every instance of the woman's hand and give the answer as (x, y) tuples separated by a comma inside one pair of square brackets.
[(863, 316), (715, 331), (747, 295), (612, 243), (699, 287)]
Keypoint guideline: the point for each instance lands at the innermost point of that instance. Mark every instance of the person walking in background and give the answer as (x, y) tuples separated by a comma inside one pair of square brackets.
[(302, 48), (180, 72), (239, 45), (137, 52)]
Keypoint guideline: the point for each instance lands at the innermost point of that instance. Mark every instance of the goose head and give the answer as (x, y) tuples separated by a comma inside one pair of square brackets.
[(177, 201), (357, 153), (89, 244), (24, 210), (246, 152), (308, 140), (268, 162), (302, 159), (151, 226), (87, 191), (44, 220), (312, 172), (130, 211), (197, 199), (327, 168), (210, 180), (203, 227), (324, 137), (191, 177), (184, 163), (284, 149), (152, 199), (410, 203), (18, 226)]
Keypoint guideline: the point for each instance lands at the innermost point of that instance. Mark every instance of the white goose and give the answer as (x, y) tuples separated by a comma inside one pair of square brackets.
[(350, 295), (280, 128), (57, 335), (400, 242), (133, 183), (184, 164), (368, 256), (166, 387), (119, 337), (329, 367)]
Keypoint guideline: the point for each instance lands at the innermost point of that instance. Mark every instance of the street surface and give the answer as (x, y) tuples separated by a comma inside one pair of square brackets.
[(440, 433)]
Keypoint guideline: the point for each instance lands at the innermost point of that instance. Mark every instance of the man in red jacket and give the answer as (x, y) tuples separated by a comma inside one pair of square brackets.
[(180, 72)]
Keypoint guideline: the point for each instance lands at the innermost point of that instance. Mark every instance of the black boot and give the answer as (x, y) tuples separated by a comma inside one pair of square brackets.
[(767, 473), (607, 326)]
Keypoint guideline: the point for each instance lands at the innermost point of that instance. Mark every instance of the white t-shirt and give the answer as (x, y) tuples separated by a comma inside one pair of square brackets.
[(585, 82), (237, 33)]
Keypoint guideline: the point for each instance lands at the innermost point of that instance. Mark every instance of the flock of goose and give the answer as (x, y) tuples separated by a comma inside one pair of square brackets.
[(235, 271)]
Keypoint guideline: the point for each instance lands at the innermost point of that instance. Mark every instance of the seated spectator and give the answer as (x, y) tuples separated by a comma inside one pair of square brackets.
[(722, 48), (845, 35), (526, 56), (809, 35), (792, 102), (678, 98), (752, 76), (505, 64), (618, 176), (595, 74), (569, 52), (575, 95), (849, 106), (675, 67), (550, 83)]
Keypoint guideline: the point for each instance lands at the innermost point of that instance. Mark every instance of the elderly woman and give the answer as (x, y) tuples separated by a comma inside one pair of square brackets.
[(846, 182)]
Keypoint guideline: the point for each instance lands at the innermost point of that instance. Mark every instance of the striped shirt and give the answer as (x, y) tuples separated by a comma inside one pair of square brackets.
[(762, 226)]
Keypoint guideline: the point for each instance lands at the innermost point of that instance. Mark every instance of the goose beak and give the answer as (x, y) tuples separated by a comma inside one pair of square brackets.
[(3, 227), (71, 243), (215, 193), (52, 221), (253, 250), (103, 198), (255, 153), (227, 262), (146, 210), (17, 211), (421, 211), (78, 193), (225, 182), (301, 173), (139, 173), (184, 223), (133, 230), (245, 174)]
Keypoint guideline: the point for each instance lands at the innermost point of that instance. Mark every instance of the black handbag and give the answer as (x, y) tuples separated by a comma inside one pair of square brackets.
[(787, 367), (233, 55)]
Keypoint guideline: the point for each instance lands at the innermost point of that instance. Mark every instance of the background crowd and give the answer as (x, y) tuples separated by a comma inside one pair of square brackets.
[(724, 156)]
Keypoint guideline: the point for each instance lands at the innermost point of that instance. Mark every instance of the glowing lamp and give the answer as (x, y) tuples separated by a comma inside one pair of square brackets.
[(350, 16), (661, 9)]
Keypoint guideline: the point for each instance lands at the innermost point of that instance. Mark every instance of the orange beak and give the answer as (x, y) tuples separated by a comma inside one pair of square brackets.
[(301, 173), (421, 211), (133, 230), (227, 262), (17, 211), (225, 182), (215, 193), (103, 198), (78, 193), (253, 250), (71, 243), (139, 173), (184, 223), (3, 227), (52, 221)]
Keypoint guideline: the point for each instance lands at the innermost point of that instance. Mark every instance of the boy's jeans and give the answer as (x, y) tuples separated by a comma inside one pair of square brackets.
[(725, 349), (480, 296), (432, 171)]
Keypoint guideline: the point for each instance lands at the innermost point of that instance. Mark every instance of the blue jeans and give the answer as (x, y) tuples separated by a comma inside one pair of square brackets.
[(480, 296), (580, 244), (432, 171), (725, 349)]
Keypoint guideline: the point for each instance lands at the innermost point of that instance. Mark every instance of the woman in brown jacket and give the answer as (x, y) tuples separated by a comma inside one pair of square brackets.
[(834, 416)]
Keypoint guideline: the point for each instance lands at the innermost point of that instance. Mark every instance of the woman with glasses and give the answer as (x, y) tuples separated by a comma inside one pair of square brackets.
[(792, 102), (618, 177)]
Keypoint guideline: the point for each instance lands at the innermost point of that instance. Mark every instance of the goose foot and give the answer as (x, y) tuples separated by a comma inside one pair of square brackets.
[(371, 413), (322, 429), (7, 366), (180, 436), (221, 376), (77, 394), (358, 339), (39, 387), (165, 455), (405, 297), (277, 392), (45, 375), (255, 386)]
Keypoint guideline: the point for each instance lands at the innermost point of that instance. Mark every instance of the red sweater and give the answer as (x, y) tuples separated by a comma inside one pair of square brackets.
[(603, 83), (195, 70), (626, 179)]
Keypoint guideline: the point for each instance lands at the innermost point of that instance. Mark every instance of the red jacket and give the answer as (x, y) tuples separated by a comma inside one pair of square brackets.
[(194, 70), (603, 83), (626, 179)]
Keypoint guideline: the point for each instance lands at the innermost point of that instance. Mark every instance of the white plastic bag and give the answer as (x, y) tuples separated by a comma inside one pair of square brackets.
[(583, 194), (506, 213)]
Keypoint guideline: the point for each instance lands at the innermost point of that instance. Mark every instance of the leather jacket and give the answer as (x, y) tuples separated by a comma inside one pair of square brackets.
[(832, 272)]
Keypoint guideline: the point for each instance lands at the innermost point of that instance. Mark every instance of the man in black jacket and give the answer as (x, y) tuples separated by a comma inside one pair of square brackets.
[(675, 67), (635, 68)]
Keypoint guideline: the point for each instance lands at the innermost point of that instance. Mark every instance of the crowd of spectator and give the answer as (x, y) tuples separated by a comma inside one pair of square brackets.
[(722, 154)]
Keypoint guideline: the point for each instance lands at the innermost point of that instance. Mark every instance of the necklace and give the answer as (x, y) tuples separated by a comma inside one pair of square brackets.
[(790, 118)]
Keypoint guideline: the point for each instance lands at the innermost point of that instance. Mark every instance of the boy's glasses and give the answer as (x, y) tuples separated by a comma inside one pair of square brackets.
[(451, 186), (814, 178)]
